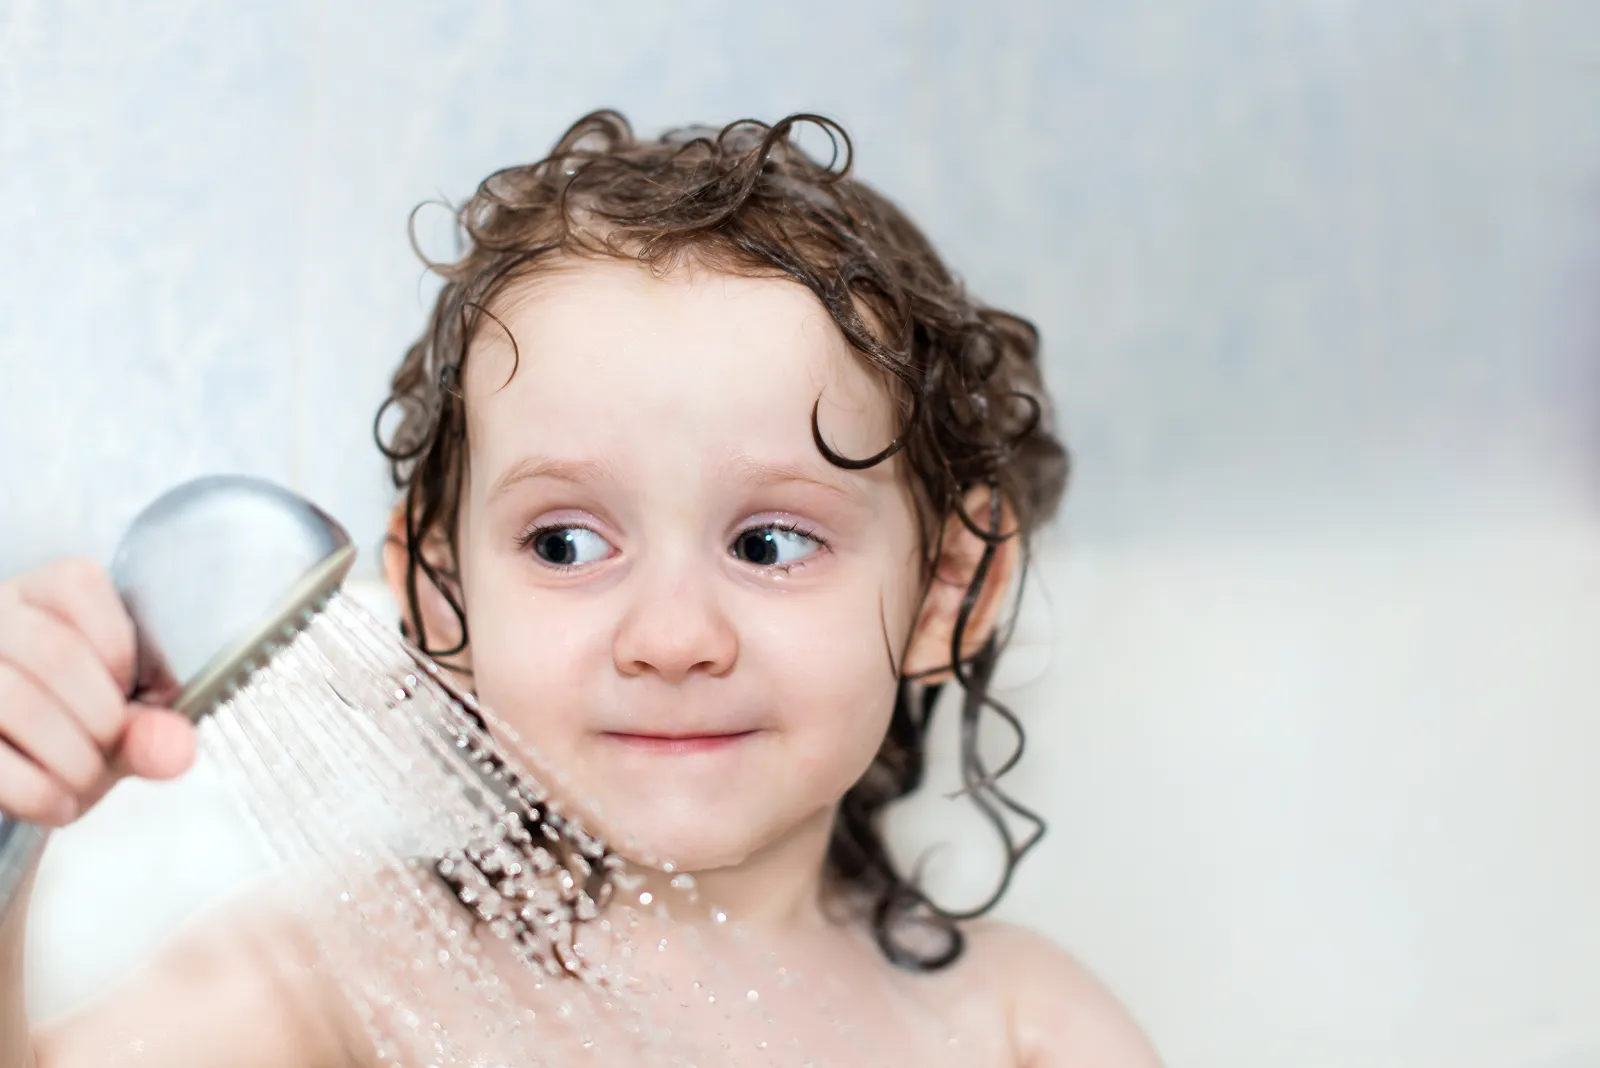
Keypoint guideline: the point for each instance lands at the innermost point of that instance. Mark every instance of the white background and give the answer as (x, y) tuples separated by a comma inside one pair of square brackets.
[(1312, 668)]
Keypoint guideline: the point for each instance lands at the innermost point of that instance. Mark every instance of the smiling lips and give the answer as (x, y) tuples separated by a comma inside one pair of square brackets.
[(678, 744)]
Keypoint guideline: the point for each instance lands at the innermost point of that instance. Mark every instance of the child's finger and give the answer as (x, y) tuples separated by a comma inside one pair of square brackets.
[(61, 660), (27, 792), (34, 724), (158, 744), (80, 593)]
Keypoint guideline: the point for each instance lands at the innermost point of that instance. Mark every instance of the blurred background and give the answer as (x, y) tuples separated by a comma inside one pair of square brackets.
[(1311, 667)]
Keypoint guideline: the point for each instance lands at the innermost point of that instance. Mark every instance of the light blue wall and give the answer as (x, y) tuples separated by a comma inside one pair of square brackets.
[(1294, 262)]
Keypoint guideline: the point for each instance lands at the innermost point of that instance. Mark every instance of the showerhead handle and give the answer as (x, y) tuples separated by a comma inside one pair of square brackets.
[(217, 574)]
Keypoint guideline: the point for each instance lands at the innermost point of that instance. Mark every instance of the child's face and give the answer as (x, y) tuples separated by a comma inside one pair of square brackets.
[(670, 593)]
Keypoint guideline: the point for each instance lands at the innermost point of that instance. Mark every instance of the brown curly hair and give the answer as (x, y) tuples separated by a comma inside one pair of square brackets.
[(964, 377)]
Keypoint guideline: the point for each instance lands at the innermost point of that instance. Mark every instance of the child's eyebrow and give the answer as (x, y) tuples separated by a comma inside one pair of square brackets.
[(756, 473), (533, 467), (746, 469)]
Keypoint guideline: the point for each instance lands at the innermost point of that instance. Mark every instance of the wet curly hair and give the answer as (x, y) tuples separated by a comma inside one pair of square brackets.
[(964, 378)]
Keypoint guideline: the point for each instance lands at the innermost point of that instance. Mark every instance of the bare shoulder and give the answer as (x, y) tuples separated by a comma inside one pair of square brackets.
[(1060, 1015), (238, 986)]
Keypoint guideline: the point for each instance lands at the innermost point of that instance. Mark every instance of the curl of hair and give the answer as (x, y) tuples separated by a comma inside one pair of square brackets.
[(964, 377)]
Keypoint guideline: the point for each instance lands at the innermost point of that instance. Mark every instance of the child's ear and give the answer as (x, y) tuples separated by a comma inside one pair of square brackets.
[(443, 628), (961, 551)]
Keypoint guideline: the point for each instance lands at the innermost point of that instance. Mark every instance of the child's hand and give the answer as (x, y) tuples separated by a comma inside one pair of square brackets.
[(67, 729)]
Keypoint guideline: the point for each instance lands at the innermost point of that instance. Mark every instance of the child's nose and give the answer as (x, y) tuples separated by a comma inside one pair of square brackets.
[(675, 628)]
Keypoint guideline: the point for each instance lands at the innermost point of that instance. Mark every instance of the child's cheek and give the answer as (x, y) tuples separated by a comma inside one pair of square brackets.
[(837, 683), (529, 659)]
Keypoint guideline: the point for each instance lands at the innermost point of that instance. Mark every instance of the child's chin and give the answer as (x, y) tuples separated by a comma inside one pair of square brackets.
[(689, 838)]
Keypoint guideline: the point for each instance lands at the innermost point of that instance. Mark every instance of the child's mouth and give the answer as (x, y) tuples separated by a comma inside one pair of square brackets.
[(678, 744)]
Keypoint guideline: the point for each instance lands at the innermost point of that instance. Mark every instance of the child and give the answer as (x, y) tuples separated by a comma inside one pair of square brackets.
[(712, 475)]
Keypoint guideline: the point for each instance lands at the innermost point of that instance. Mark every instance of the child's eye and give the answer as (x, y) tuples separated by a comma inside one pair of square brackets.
[(774, 545), (567, 546)]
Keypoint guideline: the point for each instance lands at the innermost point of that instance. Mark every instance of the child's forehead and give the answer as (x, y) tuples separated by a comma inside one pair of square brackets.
[(575, 300), (610, 344)]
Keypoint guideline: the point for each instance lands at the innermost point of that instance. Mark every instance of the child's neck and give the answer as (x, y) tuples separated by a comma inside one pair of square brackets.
[(779, 887)]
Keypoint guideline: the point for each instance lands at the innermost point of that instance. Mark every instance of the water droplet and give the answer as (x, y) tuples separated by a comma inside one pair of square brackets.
[(646, 897), (752, 996), (719, 917)]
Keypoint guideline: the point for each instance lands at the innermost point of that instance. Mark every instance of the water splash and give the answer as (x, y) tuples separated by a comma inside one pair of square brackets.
[(469, 916)]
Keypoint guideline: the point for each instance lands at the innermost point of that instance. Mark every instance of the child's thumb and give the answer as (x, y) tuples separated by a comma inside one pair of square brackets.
[(157, 744)]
